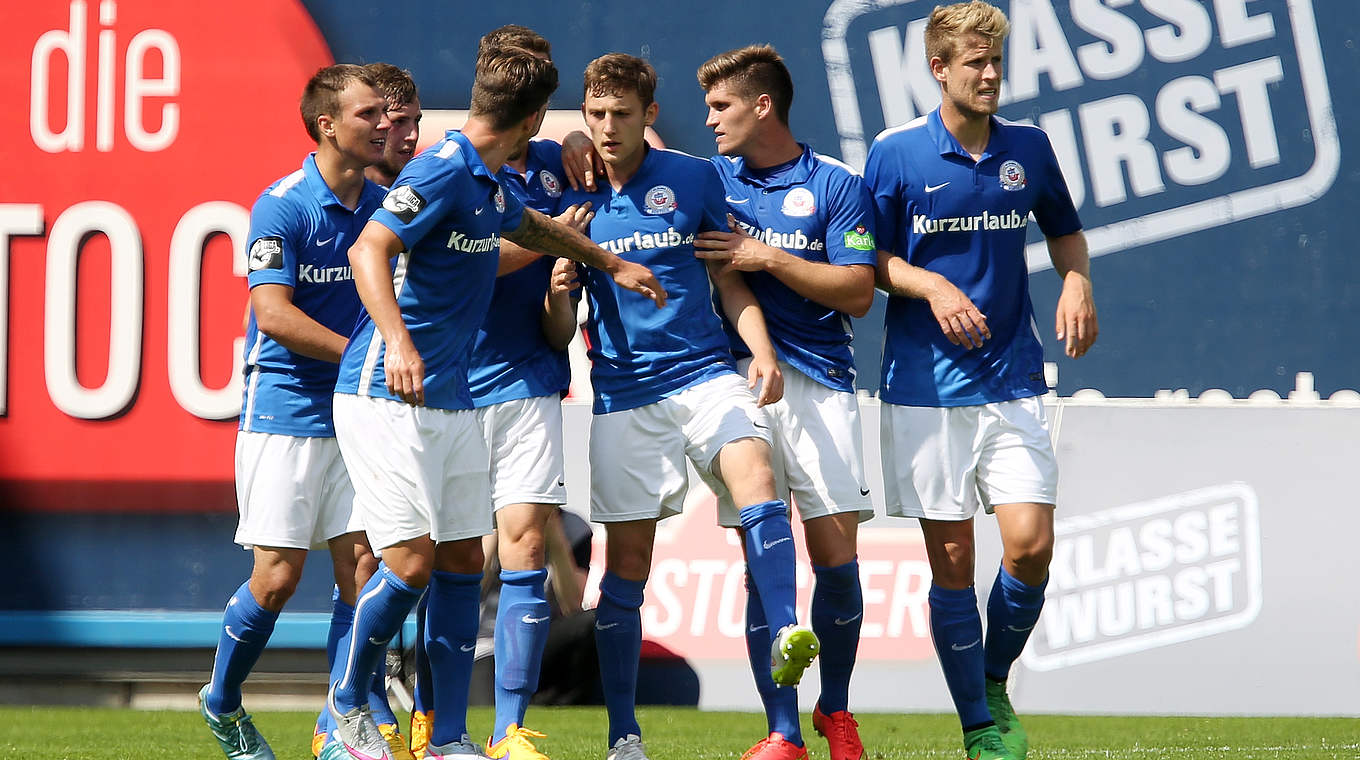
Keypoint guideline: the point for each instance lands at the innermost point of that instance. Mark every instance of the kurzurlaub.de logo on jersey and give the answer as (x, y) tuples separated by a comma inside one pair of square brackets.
[(1166, 118)]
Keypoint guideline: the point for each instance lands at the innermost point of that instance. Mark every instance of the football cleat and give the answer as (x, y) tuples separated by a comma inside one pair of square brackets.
[(628, 748), (319, 738), (841, 731), (395, 741), (334, 750), (791, 652), (986, 744), (775, 747), (463, 749), (357, 732), (517, 744), (1012, 733), (421, 724), (235, 732)]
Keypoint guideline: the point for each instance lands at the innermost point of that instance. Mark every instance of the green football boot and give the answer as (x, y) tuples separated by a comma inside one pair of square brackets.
[(986, 744), (1012, 733), (791, 652), (235, 733)]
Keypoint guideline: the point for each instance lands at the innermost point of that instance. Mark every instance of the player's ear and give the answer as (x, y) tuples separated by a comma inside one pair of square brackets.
[(649, 116), (764, 105), (937, 68), (325, 125)]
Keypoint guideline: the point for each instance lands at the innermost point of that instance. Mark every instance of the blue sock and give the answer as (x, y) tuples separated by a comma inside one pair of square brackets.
[(382, 608), (770, 560), (451, 621), (956, 629), (1012, 610), (521, 633), (377, 695), (342, 619), (246, 627), (618, 639), (422, 696), (837, 612), (781, 702)]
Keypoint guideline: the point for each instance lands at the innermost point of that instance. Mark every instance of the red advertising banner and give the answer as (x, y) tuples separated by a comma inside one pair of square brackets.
[(139, 135)]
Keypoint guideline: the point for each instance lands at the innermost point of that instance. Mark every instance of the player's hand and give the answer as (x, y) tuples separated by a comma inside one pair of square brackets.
[(580, 161), (765, 373), (639, 279), (405, 372), (959, 319), (563, 278), (576, 216), (1076, 316), (734, 250)]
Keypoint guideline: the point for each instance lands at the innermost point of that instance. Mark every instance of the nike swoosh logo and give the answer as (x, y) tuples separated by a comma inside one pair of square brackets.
[(605, 626), (773, 544), (323, 242), (479, 211), (966, 647), (376, 642), (532, 620), (467, 647), (561, 483), (1021, 630), (933, 188), (849, 620), (233, 636), (863, 492), (755, 628), (355, 752), (736, 201)]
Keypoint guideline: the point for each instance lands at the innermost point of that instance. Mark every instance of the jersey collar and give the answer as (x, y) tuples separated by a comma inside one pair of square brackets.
[(471, 157), (997, 141), (799, 174), (316, 184)]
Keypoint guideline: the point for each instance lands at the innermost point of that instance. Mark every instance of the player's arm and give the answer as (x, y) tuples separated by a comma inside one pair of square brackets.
[(844, 288), (959, 319), (514, 257), (744, 312), (1075, 320), (278, 317), (559, 305), (370, 258), (540, 233)]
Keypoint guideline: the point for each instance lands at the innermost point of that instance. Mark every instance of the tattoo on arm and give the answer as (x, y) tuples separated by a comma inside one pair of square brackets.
[(539, 233)]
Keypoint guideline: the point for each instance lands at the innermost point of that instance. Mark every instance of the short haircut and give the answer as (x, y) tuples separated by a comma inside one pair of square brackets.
[(512, 35), (618, 74), (511, 85), (949, 23), (395, 84), (322, 93), (750, 72)]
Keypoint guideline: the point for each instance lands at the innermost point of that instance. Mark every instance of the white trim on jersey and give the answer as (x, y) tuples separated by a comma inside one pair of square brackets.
[(837, 162), (918, 122), (288, 183), (253, 363), (375, 341)]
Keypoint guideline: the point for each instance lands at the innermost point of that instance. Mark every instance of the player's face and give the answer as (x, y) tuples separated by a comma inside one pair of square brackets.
[(402, 137), (617, 125), (733, 120), (361, 125), (971, 81)]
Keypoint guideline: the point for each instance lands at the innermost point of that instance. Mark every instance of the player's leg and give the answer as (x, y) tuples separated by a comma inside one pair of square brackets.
[(836, 616), (422, 692), (618, 621)]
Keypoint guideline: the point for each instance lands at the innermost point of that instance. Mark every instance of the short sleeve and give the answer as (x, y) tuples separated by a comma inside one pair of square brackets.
[(514, 211), (850, 223), (277, 230), (1055, 212), (715, 204), (883, 181), (425, 191)]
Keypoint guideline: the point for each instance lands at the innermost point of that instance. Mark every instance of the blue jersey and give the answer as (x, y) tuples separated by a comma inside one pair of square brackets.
[(818, 209), (510, 357), (449, 210), (641, 354), (966, 220), (300, 235)]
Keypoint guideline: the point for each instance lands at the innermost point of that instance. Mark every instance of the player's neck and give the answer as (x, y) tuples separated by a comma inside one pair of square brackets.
[(619, 173), (520, 164), (772, 150), (972, 130), (494, 146), (375, 174), (343, 176)]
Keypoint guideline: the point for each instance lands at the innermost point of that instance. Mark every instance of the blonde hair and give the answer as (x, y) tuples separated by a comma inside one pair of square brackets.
[(948, 23)]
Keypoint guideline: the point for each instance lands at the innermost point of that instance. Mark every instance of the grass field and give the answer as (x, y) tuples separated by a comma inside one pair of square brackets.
[(686, 734)]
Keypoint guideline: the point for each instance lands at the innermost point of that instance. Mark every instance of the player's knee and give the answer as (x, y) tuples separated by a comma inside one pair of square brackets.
[(1029, 560), (273, 589), (522, 550)]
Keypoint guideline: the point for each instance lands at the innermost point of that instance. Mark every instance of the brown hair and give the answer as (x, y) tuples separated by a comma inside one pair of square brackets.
[(511, 84), (618, 74), (395, 84), (322, 93), (512, 35), (750, 72), (950, 22)]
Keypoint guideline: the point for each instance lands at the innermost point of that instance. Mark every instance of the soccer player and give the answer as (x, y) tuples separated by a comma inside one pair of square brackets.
[(292, 489), (962, 423), (404, 415), (403, 111), (802, 237), (666, 388)]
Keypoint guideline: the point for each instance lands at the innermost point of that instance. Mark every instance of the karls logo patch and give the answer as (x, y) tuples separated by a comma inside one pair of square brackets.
[(859, 239), (404, 203), (1148, 575), (660, 200), (266, 253), (1164, 123)]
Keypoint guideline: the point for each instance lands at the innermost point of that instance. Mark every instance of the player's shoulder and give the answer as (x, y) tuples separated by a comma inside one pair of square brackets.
[(726, 165), (372, 192), (904, 133), (545, 151), (286, 199), (833, 170), (1022, 133), (289, 187), (672, 158)]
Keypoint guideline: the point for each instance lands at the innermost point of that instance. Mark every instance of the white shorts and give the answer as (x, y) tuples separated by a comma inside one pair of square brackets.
[(417, 471), (524, 440), (292, 492), (637, 456), (818, 450), (940, 463)]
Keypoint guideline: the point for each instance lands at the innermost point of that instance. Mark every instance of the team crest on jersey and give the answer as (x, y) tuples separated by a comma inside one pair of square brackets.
[(551, 184), (404, 203), (499, 200), (660, 200), (799, 202), (1012, 176), (266, 253)]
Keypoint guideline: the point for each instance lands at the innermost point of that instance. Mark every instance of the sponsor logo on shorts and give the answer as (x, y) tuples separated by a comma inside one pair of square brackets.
[(404, 203), (266, 253)]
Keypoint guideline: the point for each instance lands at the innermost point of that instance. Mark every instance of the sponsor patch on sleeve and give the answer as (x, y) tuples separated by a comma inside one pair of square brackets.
[(266, 253), (859, 239), (404, 203)]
